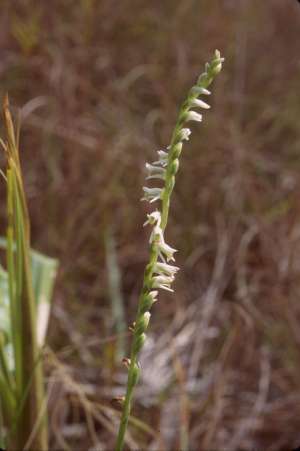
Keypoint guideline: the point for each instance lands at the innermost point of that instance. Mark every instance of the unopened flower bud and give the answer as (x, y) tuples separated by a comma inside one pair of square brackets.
[(132, 326), (142, 323), (177, 150), (148, 301), (139, 342), (135, 374), (174, 166), (126, 362)]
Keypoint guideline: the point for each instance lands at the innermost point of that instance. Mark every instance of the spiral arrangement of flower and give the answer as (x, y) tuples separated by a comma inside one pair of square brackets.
[(159, 273)]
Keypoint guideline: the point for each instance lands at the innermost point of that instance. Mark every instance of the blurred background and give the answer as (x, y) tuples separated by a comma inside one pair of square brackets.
[(99, 83)]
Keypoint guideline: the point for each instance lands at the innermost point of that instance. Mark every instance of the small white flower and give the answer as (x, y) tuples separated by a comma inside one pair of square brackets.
[(199, 103), (163, 158), (164, 268), (193, 116), (152, 194), (153, 218), (164, 249), (155, 172), (156, 235), (198, 90), (204, 91), (167, 251), (184, 134), (163, 282)]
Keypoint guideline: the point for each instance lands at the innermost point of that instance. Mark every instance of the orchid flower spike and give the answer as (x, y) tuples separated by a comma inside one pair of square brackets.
[(159, 273)]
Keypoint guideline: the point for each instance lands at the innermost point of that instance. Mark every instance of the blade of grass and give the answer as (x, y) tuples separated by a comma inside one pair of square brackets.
[(115, 293), (4, 367), (14, 315), (28, 365), (8, 403)]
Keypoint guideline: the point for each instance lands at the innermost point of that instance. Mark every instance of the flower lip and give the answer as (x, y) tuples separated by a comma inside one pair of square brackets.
[(153, 218), (184, 134), (152, 194), (163, 158), (167, 251)]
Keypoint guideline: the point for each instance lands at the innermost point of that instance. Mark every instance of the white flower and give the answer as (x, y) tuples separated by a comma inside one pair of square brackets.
[(199, 103), (164, 268), (193, 116), (204, 91), (167, 251), (152, 194), (153, 218), (155, 172), (164, 249), (163, 282), (156, 234), (163, 158), (197, 90), (184, 134)]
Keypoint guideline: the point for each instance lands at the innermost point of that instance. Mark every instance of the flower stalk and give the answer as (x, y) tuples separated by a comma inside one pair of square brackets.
[(159, 274)]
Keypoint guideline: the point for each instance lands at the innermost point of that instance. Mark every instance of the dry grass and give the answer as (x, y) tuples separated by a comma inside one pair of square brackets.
[(100, 82)]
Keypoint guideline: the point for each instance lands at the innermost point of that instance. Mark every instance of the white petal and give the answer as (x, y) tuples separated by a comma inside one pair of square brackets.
[(199, 103), (193, 116), (204, 91), (165, 287), (198, 90)]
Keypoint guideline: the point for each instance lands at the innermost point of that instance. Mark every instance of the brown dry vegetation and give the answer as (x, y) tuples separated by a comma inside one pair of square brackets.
[(99, 82)]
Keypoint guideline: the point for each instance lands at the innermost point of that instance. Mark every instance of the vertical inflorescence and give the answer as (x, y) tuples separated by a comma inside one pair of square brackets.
[(159, 273)]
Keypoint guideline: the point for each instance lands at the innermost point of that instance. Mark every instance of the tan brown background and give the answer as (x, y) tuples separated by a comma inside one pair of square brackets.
[(99, 83)]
